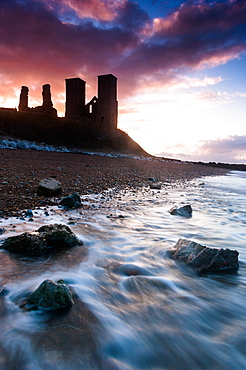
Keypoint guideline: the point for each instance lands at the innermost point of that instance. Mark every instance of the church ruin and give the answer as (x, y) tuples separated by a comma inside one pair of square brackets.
[(100, 111)]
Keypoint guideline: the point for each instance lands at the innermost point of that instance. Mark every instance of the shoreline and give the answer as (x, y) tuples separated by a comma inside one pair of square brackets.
[(21, 170)]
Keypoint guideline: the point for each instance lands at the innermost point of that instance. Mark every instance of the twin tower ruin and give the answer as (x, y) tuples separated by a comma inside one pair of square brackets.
[(100, 111)]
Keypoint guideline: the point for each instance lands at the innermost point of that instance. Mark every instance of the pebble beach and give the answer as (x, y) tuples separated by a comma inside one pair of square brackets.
[(22, 170)]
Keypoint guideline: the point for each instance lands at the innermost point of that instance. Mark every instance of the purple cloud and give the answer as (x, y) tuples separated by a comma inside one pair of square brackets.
[(46, 41)]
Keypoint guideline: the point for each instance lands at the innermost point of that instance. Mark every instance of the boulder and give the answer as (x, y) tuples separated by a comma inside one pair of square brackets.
[(41, 241), (204, 259), (50, 187), (58, 235), (28, 244), (71, 201), (185, 211), (50, 295)]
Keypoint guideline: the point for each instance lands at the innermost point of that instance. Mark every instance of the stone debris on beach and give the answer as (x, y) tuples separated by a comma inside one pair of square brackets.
[(49, 186), (42, 241), (71, 201), (50, 295), (185, 211), (204, 259)]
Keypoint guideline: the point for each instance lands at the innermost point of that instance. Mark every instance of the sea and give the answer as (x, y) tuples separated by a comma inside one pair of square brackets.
[(135, 308)]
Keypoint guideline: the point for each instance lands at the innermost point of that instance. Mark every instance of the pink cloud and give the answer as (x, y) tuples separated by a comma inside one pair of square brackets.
[(38, 44), (227, 150), (105, 10)]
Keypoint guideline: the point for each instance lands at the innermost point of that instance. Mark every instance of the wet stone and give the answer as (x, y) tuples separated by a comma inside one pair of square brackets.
[(71, 201), (41, 241), (2, 230), (185, 211), (204, 259), (29, 213), (155, 185), (50, 295)]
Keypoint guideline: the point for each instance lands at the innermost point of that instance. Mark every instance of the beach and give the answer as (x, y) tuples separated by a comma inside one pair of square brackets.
[(22, 170), (134, 307)]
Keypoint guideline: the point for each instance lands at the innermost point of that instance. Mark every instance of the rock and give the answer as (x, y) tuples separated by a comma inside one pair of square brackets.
[(2, 230), (185, 211), (49, 186), (71, 201), (58, 235), (41, 241), (155, 185), (29, 213), (130, 269), (204, 259), (50, 295), (28, 244)]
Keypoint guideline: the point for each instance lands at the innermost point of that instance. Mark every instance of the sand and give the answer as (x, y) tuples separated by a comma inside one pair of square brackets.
[(22, 170)]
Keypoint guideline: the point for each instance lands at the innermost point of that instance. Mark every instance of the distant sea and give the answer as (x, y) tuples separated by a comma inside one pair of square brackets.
[(163, 317)]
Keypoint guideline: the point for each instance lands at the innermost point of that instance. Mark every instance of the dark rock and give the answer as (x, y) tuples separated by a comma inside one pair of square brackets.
[(2, 230), (29, 213), (28, 244), (3, 291), (185, 211), (58, 235), (130, 269), (50, 187), (41, 241), (203, 259), (50, 295), (71, 201), (155, 185)]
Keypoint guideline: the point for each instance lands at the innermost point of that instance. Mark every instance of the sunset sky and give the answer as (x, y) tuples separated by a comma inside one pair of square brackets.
[(181, 66)]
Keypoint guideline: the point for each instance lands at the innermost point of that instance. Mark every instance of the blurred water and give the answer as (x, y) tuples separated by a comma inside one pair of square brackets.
[(134, 307)]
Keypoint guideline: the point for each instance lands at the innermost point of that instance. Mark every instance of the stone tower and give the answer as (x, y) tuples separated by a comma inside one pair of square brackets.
[(107, 105), (75, 97), (23, 105), (47, 103)]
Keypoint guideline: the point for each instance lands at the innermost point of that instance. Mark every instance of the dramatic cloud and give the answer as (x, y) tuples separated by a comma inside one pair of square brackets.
[(105, 10), (46, 41)]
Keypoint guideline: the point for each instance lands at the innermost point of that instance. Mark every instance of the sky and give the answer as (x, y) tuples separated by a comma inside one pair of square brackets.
[(181, 66)]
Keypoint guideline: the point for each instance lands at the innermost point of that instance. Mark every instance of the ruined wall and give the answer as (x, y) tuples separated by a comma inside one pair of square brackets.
[(46, 107), (75, 98)]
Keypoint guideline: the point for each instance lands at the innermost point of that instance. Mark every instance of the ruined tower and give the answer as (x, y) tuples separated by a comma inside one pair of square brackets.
[(47, 103), (75, 97), (107, 105), (23, 104)]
